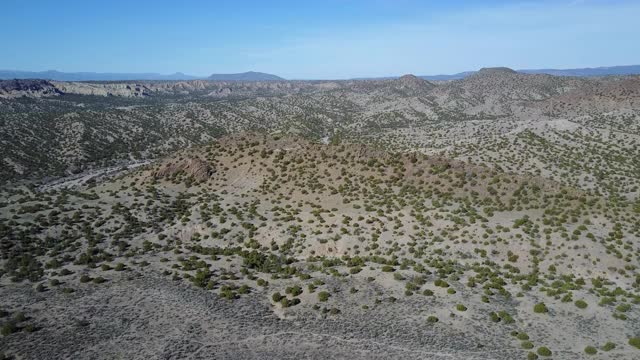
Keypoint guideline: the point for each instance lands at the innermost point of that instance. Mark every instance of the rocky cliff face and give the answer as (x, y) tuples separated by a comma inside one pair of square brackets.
[(10, 89), (27, 88), (104, 89), (141, 89)]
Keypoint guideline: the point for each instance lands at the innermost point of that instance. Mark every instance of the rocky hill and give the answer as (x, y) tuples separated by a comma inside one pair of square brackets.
[(497, 91)]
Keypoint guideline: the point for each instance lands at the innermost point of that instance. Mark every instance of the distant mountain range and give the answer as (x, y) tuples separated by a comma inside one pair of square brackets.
[(584, 72), (588, 72), (92, 76), (259, 76)]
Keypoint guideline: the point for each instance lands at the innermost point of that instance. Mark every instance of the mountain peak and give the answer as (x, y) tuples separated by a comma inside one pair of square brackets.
[(408, 77), (496, 70), (245, 76), (412, 81)]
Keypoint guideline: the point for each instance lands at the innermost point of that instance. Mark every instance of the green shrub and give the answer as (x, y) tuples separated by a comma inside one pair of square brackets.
[(494, 316), (506, 317), (532, 356), (276, 297), (65, 272), (544, 351), (623, 307), (461, 307), (292, 302), (8, 328), (284, 302), (323, 296), (294, 290), (19, 317), (228, 293), (635, 342), (85, 278), (540, 308), (581, 304), (527, 345), (590, 350), (619, 316), (432, 319), (608, 346)]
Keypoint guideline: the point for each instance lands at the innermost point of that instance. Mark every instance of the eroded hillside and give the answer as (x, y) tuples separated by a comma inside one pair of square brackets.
[(577, 131)]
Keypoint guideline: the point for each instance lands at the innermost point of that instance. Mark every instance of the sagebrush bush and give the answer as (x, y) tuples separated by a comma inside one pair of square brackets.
[(608, 346), (581, 304), (540, 308), (8, 328), (323, 296), (544, 351)]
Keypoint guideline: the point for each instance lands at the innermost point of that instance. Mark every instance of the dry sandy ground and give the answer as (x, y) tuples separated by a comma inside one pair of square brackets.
[(144, 316)]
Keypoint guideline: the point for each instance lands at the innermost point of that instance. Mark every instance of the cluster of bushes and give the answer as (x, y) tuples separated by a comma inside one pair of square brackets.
[(501, 315), (284, 301), (14, 324)]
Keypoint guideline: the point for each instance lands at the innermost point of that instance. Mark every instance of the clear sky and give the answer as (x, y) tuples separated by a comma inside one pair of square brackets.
[(305, 39)]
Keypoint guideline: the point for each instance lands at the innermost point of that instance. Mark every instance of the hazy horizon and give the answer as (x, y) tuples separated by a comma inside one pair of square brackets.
[(179, 75)]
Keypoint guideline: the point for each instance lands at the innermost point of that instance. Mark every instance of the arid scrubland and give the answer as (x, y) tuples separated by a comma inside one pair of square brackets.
[(496, 216)]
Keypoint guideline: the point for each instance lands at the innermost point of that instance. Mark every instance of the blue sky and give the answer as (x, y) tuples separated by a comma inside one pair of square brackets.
[(328, 39)]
